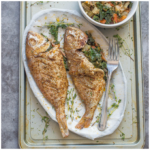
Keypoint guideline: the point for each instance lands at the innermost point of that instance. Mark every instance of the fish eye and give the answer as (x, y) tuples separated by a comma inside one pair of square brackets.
[(32, 42)]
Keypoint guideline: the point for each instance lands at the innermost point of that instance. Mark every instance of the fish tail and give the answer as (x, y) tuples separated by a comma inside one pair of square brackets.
[(84, 122), (62, 121)]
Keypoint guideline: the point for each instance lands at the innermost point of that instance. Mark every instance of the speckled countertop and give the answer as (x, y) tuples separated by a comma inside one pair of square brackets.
[(10, 70)]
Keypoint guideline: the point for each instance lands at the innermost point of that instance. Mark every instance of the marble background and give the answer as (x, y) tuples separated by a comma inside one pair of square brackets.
[(10, 70)]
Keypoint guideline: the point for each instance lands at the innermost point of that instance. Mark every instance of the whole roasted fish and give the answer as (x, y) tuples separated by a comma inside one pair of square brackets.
[(88, 80), (48, 70)]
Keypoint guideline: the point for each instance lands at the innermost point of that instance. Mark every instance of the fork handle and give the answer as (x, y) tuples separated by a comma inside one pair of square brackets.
[(103, 119)]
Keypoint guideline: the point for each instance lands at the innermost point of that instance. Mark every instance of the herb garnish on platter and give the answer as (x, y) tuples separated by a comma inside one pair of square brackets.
[(121, 44), (122, 135), (54, 26), (39, 3), (71, 95), (113, 107), (46, 119)]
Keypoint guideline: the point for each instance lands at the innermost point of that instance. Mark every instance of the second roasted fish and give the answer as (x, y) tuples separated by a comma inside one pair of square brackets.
[(88, 80)]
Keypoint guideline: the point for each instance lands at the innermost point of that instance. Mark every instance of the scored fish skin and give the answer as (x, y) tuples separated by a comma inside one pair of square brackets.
[(49, 73), (88, 80)]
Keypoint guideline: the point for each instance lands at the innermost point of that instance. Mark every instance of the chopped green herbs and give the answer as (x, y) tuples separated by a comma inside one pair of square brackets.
[(130, 5), (46, 137), (91, 93), (114, 106), (38, 3), (79, 25), (66, 63), (96, 18), (93, 55), (112, 86), (54, 31), (46, 120), (50, 47), (97, 119), (65, 15), (53, 28), (91, 40), (117, 28), (122, 135), (74, 96), (44, 35), (120, 40), (119, 101), (77, 110)]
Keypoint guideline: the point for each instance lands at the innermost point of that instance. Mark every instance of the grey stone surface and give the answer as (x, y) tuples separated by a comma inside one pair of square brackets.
[(10, 70), (10, 73), (145, 49)]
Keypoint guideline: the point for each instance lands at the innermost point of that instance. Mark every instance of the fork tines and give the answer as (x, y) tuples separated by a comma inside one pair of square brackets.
[(113, 53)]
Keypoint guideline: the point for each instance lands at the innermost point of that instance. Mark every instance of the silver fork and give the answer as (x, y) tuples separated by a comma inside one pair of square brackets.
[(112, 64)]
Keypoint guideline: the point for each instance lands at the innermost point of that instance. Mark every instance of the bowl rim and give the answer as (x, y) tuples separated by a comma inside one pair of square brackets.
[(108, 25)]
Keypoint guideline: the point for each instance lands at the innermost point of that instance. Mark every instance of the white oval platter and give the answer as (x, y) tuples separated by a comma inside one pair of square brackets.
[(118, 79)]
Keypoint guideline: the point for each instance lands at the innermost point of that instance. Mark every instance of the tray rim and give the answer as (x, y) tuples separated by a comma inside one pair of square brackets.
[(22, 90)]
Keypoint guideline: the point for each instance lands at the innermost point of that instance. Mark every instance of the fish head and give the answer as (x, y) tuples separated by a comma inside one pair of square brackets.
[(37, 43), (35, 40), (74, 39)]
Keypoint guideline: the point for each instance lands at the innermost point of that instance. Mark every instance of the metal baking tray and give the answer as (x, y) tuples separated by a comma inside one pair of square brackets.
[(30, 124)]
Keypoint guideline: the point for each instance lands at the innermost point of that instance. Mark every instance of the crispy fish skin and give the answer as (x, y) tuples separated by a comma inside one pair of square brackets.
[(49, 73), (88, 80)]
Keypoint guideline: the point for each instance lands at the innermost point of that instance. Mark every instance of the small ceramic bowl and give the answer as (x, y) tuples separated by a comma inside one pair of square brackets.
[(131, 13)]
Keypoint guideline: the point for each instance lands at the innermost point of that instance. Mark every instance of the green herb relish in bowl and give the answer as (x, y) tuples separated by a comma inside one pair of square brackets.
[(108, 14)]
